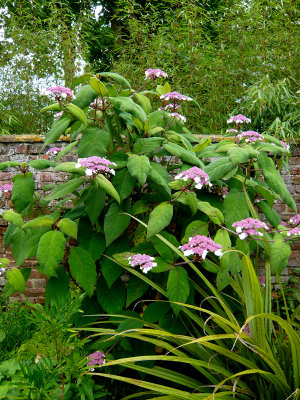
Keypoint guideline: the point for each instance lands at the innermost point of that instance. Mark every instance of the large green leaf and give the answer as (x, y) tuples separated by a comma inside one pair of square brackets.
[(135, 289), (57, 290), (123, 182), (110, 269), (64, 189), (94, 244), (45, 220), (94, 142), (197, 227), (69, 166), (159, 178), (178, 287), (66, 150), (41, 164), (98, 86), (83, 269), (16, 279), (129, 106), (166, 253), (85, 96), (159, 218), (139, 167), (94, 203), (235, 207), (116, 77), (57, 130), (270, 213), (78, 113), (147, 146), (68, 227), (22, 192), (111, 299), (185, 155), (13, 217), (219, 168), (275, 181), (144, 102), (280, 254), (7, 164), (50, 252), (115, 223), (108, 187), (213, 213), (241, 155)]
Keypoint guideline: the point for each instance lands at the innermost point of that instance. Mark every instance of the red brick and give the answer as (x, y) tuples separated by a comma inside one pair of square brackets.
[(21, 149)]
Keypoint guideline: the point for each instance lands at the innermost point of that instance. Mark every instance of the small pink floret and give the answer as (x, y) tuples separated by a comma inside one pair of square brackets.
[(250, 136), (175, 96), (239, 119), (155, 73), (295, 220), (195, 174), (178, 116), (6, 188), (54, 150), (97, 359), (173, 106), (143, 260), (294, 232), (200, 246), (231, 131)]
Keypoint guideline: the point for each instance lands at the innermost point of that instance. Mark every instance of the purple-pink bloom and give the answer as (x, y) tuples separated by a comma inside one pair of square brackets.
[(283, 223), (201, 245), (294, 232), (175, 96), (143, 260), (285, 145), (262, 280), (250, 136), (178, 116), (6, 188), (231, 131), (54, 150), (174, 106), (195, 174), (95, 165), (97, 358), (248, 227), (224, 192), (295, 220), (155, 73), (59, 91), (238, 119)]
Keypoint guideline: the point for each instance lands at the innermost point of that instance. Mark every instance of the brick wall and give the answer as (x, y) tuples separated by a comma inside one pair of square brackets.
[(26, 148)]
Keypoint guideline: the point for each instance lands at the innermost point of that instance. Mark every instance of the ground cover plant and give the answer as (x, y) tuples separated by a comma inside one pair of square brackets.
[(165, 235)]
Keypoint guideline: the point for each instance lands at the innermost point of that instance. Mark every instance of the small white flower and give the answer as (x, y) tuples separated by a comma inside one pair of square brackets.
[(238, 229), (242, 236), (188, 252), (204, 254)]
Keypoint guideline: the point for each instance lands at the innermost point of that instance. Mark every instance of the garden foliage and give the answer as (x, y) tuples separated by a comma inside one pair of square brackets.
[(143, 187)]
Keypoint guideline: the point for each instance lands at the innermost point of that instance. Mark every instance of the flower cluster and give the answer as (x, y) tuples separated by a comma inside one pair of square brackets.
[(143, 260), (250, 136), (97, 358), (59, 91), (95, 165), (232, 131), (294, 232), (238, 119), (178, 116), (195, 174), (6, 188), (295, 220), (224, 192), (201, 245), (175, 96), (155, 73), (54, 150), (174, 106), (248, 227)]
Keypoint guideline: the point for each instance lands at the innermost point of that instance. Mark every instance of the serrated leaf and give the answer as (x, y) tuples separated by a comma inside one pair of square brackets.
[(280, 254), (41, 164), (22, 192), (144, 102), (163, 250), (94, 203), (108, 187), (222, 237), (84, 97), (45, 220), (147, 146), (64, 189), (139, 207), (57, 290), (183, 154), (77, 112), (213, 213), (7, 164), (95, 245), (56, 131), (130, 107), (178, 287), (235, 207), (159, 218), (139, 167), (13, 217), (115, 223), (116, 77), (276, 183), (52, 107), (197, 227), (241, 155), (16, 280), (50, 252), (155, 311), (123, 182), (66, 150), (219, 168), (135, 289), (270, 213), (111, 299), (94, 142), (68, 227), (83, 269), (69, 166)]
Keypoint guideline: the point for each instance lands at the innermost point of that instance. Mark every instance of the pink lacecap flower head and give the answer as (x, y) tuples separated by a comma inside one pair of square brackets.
[(173, 106), (248, 227), (239, 119), (175, 96), (94, 165), (231, 131), (54, 150), (59, 91), (97, 359), (295, 220), (200, 246), (250, 136), (178, 116), (155, 73), (6, 188), (143, 260), (294, 232), (285, 145), (224, 192), (195, 174)]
